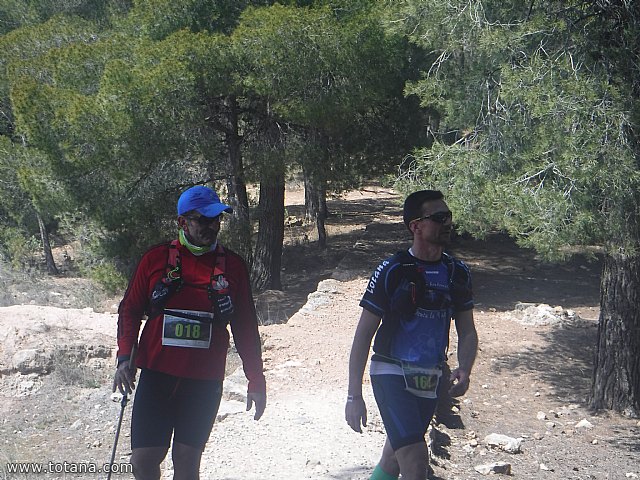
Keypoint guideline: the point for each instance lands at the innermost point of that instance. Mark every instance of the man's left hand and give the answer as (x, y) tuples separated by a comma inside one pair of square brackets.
[(260, 401), (459, 382)]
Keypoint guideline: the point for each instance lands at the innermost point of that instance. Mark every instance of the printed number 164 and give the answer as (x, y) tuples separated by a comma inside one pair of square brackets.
[(424, 382)]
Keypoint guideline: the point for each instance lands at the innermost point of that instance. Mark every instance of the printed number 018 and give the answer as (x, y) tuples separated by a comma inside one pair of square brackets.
[(188, 330)]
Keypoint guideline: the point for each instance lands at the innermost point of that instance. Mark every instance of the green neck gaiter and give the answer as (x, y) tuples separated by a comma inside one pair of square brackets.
[(196, 250)]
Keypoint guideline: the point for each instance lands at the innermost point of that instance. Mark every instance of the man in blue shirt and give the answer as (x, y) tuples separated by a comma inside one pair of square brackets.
[(408, 305)]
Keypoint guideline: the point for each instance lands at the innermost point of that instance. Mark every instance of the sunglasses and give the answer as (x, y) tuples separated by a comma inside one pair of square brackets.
[(438, 217), (202, 220)]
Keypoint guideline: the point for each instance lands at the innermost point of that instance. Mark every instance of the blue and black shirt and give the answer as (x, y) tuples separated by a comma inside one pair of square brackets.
[(422, 336)]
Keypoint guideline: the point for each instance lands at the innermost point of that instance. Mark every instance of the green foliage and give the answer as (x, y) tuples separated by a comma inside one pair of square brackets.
[(331, 78), (157, 19), (121, 111), (109, 278), (21, 13), (312, 68), (536, 134), (12, 197), (23, 45), (19, 248)]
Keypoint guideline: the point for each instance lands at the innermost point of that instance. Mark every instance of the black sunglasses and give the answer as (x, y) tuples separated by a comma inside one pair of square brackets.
[(202, 220), (438, 217)]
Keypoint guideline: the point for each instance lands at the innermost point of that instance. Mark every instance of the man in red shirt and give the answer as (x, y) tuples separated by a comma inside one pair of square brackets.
[(189, 290)]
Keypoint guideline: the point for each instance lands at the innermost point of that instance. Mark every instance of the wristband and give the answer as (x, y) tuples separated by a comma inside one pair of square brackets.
[(351, 398), (123, 358)]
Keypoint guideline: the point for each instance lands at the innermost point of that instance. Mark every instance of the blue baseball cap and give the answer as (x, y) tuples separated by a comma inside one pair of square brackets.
[(203, 200)]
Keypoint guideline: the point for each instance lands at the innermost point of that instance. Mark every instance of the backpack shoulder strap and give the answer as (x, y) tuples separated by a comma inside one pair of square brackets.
[(221, 261), (218, 285), (169, 283), (451, 265), (173, 270)]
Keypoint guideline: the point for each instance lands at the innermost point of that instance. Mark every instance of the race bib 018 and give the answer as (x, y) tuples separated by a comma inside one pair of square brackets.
[(187, 328)]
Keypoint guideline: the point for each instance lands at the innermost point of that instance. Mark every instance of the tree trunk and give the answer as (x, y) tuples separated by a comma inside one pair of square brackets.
[(616, 374), (315, 201), (322, 232), (311, 204), (267, 258), (46, 247), (322, 200), (239, 225)]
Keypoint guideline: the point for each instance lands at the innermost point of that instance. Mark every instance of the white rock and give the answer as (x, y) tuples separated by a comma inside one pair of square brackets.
[(541, 416), (322, 296), (543, 314), (468, 449), (631, 475), (75, 425), (584, 423), (235, 386), (29, 360), (39, 327), (26, 385), (329, 286), (503, 442), (497, 467), (229, 407)]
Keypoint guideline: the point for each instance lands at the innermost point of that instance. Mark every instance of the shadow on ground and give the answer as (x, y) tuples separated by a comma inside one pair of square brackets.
[(505, 274), (562, 359), (369, 230)]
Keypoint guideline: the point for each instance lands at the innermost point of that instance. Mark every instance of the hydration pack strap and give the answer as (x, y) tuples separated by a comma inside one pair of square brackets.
[(172, 280), (173, 270), (217, 283)]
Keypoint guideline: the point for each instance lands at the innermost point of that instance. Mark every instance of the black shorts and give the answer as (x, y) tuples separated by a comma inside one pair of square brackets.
[(165, 404)]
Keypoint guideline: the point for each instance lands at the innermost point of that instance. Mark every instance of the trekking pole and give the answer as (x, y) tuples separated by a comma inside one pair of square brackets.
[(123, 404)]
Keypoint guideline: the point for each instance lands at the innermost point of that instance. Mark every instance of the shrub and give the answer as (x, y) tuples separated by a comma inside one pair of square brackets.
[(20, 249), (109, 277), (69, 370)]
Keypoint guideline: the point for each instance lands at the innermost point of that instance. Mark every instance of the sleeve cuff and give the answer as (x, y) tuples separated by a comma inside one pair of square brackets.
[(123, 358)]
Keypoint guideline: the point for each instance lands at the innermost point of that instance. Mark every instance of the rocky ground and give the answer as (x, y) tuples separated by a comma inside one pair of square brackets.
[(526, 407)]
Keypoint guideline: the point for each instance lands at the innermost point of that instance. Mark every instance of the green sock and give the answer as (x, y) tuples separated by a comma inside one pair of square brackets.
[(380, 474)]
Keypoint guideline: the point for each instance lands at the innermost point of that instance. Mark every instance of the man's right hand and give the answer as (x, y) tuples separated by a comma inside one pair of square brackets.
[(125, 378), (355, 413)]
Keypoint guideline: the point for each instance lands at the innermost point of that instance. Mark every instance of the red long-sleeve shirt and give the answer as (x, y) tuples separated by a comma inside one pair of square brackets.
[(198, 363)]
